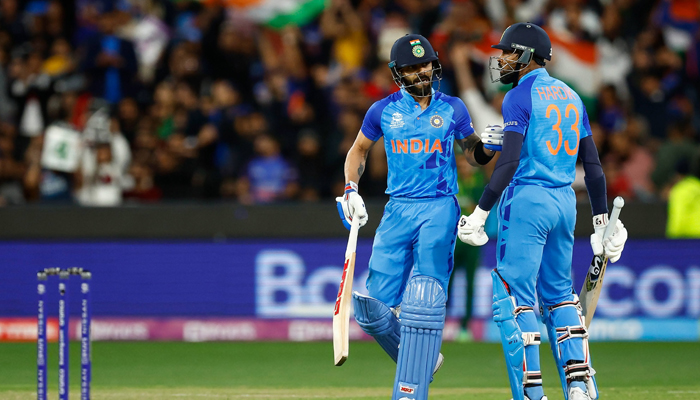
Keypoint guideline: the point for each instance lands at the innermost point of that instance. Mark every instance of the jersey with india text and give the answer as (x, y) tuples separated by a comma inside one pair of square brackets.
[(419, 143)]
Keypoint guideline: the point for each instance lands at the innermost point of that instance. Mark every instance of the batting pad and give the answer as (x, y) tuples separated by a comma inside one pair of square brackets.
[(422, 321), (511, 335), (377, 320)]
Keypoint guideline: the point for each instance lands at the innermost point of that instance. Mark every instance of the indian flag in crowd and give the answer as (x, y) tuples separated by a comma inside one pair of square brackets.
[(276, 13), (576, 63)]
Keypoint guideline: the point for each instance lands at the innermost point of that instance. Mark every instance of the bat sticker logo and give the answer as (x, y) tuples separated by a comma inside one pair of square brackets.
[(341, 289)]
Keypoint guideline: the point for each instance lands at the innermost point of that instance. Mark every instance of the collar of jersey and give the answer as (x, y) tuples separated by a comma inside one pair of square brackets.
[(538, 71), (408, 98)]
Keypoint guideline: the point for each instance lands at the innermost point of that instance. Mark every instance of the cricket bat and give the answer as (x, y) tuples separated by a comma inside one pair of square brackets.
[(341, 313), (590, 292)]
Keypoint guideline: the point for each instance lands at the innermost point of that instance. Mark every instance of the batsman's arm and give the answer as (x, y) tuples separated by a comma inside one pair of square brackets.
[(474, 150), (357, 158), (593, 176), (505, 170)]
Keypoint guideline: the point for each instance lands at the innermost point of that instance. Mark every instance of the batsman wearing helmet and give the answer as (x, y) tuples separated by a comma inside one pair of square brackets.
[(546, 131), (418, 230)]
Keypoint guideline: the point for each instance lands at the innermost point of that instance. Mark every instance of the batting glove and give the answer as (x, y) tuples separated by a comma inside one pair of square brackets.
[(470, 230), (492, 137), (350, 204), (612, 246)]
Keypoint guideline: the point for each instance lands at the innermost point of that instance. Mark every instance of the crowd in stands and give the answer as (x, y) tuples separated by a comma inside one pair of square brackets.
[(188, 100)]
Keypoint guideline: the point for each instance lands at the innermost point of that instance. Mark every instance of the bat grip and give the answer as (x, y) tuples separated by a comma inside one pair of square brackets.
[(618, 203)]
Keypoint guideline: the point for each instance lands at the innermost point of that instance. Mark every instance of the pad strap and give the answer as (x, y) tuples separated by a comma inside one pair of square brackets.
[(577, 370), (532, 378), (570, 332), (531, 338)]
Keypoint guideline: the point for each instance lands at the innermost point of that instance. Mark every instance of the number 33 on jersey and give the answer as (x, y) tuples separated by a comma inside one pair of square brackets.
[(553, 120)]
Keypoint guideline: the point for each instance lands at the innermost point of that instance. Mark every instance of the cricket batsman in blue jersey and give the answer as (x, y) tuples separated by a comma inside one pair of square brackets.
[(404, 312), (546, 130)]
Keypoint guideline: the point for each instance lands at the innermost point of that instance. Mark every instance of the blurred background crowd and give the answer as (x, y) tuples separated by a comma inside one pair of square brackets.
[(255, 101)]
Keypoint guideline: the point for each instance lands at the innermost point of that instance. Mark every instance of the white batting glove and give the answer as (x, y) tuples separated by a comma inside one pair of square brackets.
[(492, 137), (612, 246), (470, 230), (350, 204)]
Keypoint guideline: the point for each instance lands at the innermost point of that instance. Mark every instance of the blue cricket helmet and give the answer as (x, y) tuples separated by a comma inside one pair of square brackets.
[(413, 49), (527, 37)]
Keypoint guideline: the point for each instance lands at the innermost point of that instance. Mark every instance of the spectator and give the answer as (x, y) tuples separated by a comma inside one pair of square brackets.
[(677, 149), (683, 205), (269, 176), (194, 84), (110, 61)]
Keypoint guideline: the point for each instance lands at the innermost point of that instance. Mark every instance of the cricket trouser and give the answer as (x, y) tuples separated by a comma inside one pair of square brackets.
[(414, 234)]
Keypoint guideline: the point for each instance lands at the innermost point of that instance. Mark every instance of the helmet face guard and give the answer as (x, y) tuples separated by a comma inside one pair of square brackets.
[(417, 88), (498, 65)]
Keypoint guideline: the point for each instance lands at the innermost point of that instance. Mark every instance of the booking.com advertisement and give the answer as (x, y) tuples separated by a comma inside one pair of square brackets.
[(286, 289)]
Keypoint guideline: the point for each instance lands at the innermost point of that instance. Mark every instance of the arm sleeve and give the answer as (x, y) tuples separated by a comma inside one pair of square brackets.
[(463, 121), (372, 124), (594, 177), (505, 169), (586, 124)]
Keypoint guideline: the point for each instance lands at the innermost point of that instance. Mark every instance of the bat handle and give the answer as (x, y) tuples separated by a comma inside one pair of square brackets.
[(352, 240), (618, 203)]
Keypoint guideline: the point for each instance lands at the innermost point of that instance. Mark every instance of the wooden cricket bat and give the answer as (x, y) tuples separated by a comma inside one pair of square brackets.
[(341, 313), (590, 292)]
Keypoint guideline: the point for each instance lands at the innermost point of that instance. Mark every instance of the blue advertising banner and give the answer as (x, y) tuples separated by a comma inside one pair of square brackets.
[(652, 293)]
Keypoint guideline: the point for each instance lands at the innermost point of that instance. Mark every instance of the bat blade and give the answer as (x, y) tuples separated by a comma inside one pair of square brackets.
[(590, 292), (593, 285), (341, 312)]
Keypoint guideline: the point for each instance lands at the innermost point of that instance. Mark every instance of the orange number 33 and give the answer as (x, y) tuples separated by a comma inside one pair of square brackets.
[(556, 128)]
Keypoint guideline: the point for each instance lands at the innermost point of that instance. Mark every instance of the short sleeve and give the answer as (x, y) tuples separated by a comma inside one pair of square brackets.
[(516, 109), (372, 124), (463, 121), (586, 123)]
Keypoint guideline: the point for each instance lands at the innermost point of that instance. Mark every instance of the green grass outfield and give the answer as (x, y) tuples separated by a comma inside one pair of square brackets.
[(239, 370)]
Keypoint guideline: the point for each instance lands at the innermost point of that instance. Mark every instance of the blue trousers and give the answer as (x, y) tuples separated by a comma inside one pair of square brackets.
[(414, 234), (535, 242)]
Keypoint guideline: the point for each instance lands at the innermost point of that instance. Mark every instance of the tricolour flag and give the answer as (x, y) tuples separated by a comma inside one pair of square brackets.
[(414, 42), (276, 13)]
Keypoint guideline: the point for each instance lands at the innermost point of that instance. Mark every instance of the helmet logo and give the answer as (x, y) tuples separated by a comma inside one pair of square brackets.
[(418, 51), (436, 121)]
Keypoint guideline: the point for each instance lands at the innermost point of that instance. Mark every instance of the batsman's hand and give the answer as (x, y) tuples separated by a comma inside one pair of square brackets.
[(470, 230), (492, 137), (612, 246), (350, 204)]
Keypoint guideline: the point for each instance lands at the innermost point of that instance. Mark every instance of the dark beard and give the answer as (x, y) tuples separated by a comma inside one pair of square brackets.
[(420, 91), (511, 76)]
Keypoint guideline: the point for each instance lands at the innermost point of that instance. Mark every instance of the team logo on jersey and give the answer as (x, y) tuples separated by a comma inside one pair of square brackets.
[(436, 121), (396, 120), (418, 51)]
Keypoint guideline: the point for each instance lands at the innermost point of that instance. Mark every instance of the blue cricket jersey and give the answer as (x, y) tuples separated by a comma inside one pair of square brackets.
[(419, 143), (553, 120)]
